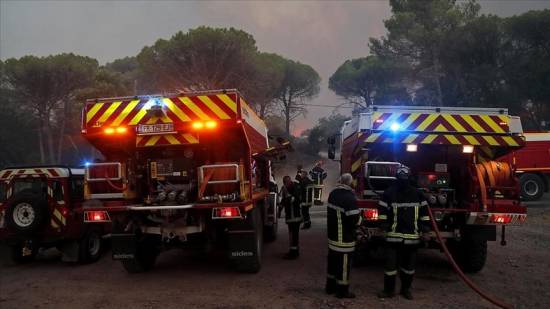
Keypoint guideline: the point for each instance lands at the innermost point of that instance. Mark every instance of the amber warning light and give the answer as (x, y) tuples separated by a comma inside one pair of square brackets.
[(199, 125), (113, 130)]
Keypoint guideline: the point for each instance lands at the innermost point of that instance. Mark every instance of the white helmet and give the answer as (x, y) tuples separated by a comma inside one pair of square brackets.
[(403, 172)]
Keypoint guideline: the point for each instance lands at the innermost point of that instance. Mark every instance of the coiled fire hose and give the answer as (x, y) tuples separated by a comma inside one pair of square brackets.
[(496, 174), (459, 272)]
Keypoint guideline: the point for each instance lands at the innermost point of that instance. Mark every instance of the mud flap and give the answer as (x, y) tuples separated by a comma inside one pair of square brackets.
[(242, 246), (480, 232), (70, 250), (124, 246)]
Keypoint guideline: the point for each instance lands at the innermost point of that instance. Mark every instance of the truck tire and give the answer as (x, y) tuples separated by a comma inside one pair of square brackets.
[(470, 254), (475, 255), (253, 242), (145, 257), (26, 214), (532, 187), (90, 246)]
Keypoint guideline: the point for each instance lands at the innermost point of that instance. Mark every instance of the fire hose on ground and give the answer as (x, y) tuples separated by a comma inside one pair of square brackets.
[(459, 272)]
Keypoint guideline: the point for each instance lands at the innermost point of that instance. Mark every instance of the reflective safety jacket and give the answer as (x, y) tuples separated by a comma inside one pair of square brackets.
[(318, 175), (342, 219), (306, 191), (290, 200), (403, 213)]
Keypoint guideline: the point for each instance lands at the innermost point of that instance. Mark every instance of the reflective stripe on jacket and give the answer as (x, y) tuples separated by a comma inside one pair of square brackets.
[(291, 203), (403, 213), (342, 219)]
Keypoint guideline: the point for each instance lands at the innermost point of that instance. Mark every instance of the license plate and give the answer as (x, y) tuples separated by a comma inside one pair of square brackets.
[(155, 128)]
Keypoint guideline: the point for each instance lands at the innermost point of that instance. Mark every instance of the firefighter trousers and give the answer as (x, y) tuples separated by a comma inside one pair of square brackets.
[(305, 214), (400, 258), (294, 237), (338, 269)]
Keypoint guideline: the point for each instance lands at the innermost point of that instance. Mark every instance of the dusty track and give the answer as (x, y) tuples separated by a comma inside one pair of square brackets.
[(518, 272)]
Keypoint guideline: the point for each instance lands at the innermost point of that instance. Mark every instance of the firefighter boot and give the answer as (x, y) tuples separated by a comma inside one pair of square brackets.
[(389, 287), (406, 281), (307, 225), (292, 254), (342, 291), (330, 286)]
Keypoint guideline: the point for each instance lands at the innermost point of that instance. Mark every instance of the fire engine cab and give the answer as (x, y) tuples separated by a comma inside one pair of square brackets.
[(451, 151), (41, 207)]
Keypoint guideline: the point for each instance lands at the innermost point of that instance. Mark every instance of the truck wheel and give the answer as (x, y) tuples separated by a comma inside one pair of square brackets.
[(469, 254), (90, 246), (475, 255), (249, 243), (145, 257), (26, 214), (532, 187)]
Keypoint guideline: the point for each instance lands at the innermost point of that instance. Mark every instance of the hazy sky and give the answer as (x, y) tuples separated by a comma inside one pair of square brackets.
[(321, 34)]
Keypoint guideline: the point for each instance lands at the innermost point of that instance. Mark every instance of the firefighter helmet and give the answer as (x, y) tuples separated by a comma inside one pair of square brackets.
[(403, 172)]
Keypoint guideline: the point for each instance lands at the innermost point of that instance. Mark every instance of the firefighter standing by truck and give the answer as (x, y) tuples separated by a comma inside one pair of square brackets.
[(290, 200), (306, 197), (318, 175), (343, 216), (404, 216)]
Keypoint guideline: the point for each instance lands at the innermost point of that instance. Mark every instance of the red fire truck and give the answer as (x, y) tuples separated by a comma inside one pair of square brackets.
[(532, 165), (183, 170), (451, 151), (41, 207)]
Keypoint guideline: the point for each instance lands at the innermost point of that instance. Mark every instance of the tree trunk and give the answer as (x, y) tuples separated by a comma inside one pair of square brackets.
[(437, 78), (288, 107), (41, 142), (49, 140), (62, 131)]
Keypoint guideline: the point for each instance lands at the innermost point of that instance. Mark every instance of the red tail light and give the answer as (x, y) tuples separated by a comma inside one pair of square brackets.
[(501, 219), (96, 216), (226, 212), (370, 214)]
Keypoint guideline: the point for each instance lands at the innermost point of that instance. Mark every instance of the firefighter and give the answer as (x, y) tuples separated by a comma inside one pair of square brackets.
[(306, 190), (318, 175), (403, 214), (290, 200), (342, 220)]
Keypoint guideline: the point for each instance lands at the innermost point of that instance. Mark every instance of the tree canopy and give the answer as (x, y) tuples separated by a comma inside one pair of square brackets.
[(443, 52), (41, 97), (300, 83)]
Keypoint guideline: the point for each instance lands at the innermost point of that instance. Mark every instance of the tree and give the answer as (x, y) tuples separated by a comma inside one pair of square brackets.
[(201, 59), (17, 129), (417, 35), (267, 78), (300, 83), (327, 127), (369, 80), (526, 67), (47, 88)]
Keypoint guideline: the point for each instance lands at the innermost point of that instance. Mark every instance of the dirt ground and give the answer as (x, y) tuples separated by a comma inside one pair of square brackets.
[(518, 273)]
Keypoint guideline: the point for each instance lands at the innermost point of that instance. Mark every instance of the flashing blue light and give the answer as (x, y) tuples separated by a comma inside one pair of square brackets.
[(395, 127), (86, 163)]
